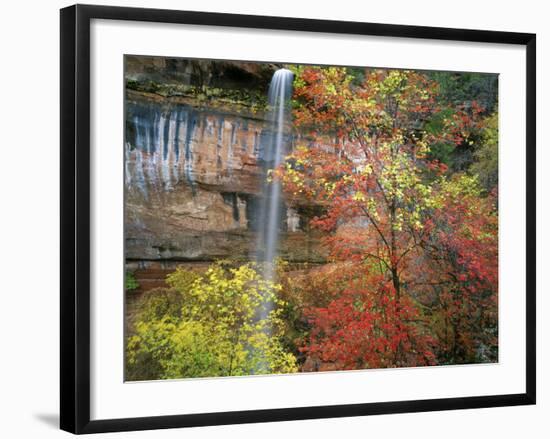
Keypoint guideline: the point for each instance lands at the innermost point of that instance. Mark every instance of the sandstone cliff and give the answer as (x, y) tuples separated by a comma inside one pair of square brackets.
[(195, 160)]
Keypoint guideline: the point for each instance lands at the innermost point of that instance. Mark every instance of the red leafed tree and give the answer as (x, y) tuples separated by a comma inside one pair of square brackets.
[(420, 247), (366, 325), (462, 250)]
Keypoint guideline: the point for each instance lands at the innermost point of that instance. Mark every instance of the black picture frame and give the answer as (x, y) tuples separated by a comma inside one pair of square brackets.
[(75, 217)]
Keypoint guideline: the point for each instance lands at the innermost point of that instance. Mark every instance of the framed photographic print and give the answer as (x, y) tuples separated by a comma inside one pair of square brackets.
[(272, 218)]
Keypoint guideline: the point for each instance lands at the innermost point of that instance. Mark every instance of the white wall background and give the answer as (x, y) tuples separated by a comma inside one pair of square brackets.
[(29, 250)]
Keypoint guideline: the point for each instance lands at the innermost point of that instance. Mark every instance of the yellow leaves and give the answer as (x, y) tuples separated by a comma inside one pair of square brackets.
[(181, 279), (394, 82), (415, 218), (347, 178), (372, 209), (397, 223), (293, 176), (359, 196), (329, 187), (331, 89), (225, 321), (367, 169), (460, 186)]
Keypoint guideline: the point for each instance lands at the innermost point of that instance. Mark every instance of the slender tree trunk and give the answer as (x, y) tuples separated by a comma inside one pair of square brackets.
[(396, 282)]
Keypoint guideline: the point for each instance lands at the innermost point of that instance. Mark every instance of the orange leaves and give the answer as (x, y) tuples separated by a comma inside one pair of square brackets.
[(367, 326), (420, 246)]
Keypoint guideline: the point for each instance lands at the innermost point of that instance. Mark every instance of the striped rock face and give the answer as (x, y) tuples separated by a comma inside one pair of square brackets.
[(193, 179)]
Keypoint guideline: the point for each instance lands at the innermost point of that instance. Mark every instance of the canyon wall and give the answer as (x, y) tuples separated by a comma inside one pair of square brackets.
[(196, 154)]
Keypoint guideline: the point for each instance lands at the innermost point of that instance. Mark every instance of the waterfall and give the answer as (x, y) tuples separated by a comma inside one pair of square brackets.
[(279, 96)]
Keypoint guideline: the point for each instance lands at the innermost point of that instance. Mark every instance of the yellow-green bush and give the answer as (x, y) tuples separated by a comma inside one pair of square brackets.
[(224, 322)]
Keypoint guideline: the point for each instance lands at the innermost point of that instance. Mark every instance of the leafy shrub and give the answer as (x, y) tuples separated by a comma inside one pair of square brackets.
[(222, 323), (131, 282)]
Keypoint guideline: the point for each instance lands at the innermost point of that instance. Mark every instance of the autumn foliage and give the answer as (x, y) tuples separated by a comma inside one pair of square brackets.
[(415, 243), (395, 172)]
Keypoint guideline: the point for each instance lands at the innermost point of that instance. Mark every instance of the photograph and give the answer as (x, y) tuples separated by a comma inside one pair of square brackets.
[(293, 218), (275, 219)]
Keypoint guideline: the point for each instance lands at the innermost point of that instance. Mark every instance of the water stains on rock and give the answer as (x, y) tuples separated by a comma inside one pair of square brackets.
[(193, 185)]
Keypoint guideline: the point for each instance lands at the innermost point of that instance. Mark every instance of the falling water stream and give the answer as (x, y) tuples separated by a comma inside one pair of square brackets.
[(279, 95), (161, 153)]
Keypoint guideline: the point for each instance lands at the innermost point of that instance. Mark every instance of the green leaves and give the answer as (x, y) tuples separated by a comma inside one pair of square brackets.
[(130, 282)]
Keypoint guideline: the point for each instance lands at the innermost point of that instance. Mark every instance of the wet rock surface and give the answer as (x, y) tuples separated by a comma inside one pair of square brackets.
[(193, 178)]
